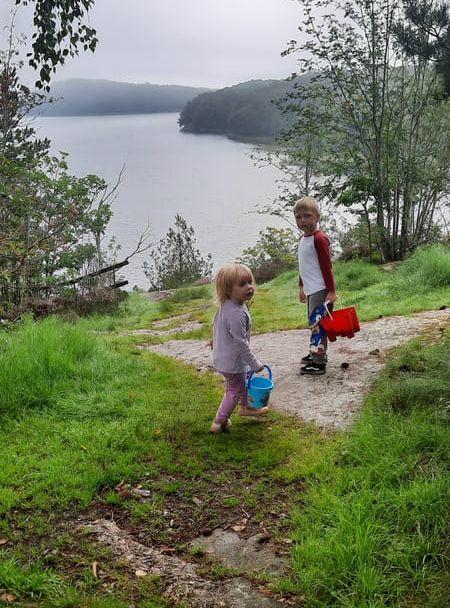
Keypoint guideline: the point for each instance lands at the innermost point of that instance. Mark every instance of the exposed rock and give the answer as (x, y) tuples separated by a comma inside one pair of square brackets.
[(180, 579), (251, 554)]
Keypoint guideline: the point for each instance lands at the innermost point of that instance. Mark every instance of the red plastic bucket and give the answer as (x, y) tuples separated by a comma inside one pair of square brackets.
[(343, 322)]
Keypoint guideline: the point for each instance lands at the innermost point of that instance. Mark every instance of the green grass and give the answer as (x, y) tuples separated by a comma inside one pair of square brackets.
[(373, 531), (79, 414), (81, 411), (420, 283)]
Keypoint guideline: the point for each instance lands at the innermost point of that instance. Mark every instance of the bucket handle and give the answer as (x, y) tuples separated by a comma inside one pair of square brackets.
[(252, 373), (326, 305)]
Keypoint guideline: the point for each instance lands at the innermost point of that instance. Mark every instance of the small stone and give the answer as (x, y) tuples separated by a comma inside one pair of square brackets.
[(375, 351), (345, 364), (443, 307), (206, 532), (141, 573), (197, 501), (8, 598), (166, 513)]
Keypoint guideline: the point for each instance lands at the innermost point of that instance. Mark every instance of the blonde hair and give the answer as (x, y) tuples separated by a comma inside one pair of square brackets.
[(229, 275), (307, 203)]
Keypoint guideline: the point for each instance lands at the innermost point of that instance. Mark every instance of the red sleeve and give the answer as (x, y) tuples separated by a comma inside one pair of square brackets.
[(322, 245)]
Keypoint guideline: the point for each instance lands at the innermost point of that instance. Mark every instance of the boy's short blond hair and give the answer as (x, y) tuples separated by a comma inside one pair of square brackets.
[(229, 275), (307, 203)]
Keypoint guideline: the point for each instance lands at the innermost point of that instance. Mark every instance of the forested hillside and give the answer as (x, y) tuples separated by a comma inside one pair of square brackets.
[(80, 97), (244, 110)]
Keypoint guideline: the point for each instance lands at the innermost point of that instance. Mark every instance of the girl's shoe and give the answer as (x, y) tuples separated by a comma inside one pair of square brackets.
[(251, 411), (219, 427), (226, 426), (313, 369)]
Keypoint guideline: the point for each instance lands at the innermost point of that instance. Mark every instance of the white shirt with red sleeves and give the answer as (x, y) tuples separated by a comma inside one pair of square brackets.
[(314, 260)]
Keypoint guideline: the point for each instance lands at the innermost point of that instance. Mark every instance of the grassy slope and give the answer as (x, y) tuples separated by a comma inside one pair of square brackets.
[(80, 412), (374, 528), (420, 283), (79, 416)]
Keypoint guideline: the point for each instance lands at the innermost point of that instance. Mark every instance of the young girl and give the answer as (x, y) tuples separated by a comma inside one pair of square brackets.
[(232, 355)]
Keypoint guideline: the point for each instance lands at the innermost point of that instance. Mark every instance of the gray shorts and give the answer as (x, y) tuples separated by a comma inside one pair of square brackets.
[(314, 300)]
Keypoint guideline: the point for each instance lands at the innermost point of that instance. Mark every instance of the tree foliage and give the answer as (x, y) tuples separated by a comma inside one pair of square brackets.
[(60, 32), (51, 222), (176, 261), (426, 33), (274, 252), (381, 137)]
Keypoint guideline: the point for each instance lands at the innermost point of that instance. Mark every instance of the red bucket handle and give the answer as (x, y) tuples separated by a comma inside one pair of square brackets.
[(326, 304)]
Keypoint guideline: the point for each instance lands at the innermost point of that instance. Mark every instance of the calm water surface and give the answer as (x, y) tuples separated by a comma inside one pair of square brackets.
[(208, 179)]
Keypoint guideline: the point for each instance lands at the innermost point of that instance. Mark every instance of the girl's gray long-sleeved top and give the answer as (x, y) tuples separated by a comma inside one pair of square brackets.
[(232, 328)]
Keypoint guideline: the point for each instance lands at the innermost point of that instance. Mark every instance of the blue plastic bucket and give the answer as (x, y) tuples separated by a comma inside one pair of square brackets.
[(259, 389)]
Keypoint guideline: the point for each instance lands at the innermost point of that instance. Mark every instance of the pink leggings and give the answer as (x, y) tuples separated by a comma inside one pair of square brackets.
[(236, 392)]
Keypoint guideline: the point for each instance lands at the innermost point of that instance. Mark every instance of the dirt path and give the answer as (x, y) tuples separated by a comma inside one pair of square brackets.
[(331, 400)]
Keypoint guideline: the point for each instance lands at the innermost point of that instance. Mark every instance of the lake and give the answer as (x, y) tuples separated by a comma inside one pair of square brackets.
[(208, 179)]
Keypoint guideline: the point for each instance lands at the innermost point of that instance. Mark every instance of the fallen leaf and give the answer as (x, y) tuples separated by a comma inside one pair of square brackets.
[(8, 598), (3, 541), (197, 501), (94, 569), (141, 573), (287, 541), (240, 526), (167, 550), (138, 491)]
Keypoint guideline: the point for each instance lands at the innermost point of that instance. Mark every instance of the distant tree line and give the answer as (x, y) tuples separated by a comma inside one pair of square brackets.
[(82, 97), (244, 110)]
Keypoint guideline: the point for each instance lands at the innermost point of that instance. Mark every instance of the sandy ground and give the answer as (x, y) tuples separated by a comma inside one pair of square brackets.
[(330, 401)]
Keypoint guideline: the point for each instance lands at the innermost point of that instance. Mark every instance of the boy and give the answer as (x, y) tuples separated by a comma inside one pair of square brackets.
[(316, 280)]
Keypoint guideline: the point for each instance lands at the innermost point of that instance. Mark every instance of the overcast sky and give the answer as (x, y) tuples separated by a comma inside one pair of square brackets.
[(211, 43)]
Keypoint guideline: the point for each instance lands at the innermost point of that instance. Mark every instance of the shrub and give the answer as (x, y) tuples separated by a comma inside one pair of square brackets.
[(274, 253), (176, 261)]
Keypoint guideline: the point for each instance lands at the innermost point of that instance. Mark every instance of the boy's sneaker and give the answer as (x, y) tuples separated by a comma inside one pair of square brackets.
[(307, 359), (313, 369)]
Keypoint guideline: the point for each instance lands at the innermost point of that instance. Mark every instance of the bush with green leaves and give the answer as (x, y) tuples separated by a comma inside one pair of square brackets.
[(176, 261), (51, 223), (274, 253)]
